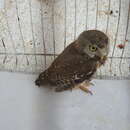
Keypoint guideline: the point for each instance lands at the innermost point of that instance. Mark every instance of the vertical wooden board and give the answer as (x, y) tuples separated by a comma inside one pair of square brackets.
[(3, 27), (126, 50), (23, 15), (92, 11), (124, 11), (10, 63), (102, 14), (13, 27), (101, 22), (36, 25), (48, 26), (80, 16), (5, 32), (43, 14), (65, 16), (2, 65), (128, 61), (5, 36), (48, 36), (128, 31), (40, 67), (70, 21), (2, 46), (113, 24), (118, 69), (59, 25), (124, 68), (31, 66), (22, 64), (86, 14), (115, 68), (36, 28)]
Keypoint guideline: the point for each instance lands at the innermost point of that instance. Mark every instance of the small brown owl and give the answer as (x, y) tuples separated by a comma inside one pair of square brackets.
[(76, 65)]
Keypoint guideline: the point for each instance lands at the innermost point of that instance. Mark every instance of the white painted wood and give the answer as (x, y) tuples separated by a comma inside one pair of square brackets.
[(33, 31)]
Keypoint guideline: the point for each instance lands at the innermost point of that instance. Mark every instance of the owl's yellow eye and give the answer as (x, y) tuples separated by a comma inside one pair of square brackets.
[(92, 48)]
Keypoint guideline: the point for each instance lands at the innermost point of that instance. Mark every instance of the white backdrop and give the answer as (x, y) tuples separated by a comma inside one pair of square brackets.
[(34, 32)]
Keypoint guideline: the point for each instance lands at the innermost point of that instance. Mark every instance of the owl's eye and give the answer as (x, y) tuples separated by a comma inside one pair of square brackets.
[(92, 48)]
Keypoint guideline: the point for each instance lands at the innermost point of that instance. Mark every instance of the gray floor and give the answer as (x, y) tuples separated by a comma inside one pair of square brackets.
[(23, 106)]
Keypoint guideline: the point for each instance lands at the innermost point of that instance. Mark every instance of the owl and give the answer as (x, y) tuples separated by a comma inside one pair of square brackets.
[(76, 65)]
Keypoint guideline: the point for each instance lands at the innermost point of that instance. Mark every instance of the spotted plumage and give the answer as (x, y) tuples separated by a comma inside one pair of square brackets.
[(78, 62)]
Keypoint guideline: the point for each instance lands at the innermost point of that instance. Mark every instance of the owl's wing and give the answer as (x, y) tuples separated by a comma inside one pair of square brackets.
[(71, 68)]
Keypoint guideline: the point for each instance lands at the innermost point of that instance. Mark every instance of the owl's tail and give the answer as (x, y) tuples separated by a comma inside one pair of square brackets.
[(41, 80), (37, 82)]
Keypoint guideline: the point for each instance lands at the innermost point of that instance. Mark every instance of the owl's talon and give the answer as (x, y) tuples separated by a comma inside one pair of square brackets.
[(85, 89)]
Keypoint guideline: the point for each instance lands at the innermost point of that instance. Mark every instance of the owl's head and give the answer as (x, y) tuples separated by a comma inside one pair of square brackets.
[(93, 43)]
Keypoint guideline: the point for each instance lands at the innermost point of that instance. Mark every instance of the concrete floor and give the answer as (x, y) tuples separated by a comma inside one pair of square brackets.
[(23, 106)]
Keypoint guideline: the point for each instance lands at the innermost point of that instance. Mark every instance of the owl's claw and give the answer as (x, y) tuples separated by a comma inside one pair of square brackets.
[(85, 89)]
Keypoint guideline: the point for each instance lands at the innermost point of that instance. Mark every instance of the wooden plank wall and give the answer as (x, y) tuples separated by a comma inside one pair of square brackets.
[(34, 32)]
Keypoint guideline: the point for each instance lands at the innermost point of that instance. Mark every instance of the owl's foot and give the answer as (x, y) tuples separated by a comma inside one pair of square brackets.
[(84, 87)]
